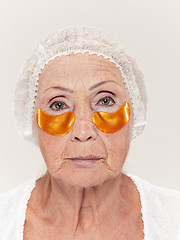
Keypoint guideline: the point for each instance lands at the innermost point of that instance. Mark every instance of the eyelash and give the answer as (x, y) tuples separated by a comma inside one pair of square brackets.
[(58, 109), (107, 97), (54, 104)]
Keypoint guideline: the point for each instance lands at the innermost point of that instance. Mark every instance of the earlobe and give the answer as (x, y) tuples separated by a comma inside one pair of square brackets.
[(112, 122)]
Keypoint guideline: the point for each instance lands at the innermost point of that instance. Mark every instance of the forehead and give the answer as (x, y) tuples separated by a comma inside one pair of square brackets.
[(77, 71)]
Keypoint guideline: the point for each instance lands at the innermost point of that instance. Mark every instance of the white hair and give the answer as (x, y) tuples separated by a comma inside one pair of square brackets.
[(77, 39)]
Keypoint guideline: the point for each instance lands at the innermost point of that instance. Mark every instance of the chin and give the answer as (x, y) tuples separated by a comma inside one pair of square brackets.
[(86, 177)]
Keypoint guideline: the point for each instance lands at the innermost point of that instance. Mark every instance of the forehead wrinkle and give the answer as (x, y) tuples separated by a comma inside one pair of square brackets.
[(88, 66), (112, 77), (111, 69), (101, 83)]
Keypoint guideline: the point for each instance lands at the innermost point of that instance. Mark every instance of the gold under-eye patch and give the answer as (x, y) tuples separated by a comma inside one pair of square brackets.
[(112, 122), (57, 125)]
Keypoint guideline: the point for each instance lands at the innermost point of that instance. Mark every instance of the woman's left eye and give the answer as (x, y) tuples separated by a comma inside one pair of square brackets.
[(107, 101)]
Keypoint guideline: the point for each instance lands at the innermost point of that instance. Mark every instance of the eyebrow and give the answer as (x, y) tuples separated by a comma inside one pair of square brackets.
[(60, 88), (71, 91)]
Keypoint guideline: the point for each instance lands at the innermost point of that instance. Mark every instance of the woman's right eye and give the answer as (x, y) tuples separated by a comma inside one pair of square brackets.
[(56, 106)]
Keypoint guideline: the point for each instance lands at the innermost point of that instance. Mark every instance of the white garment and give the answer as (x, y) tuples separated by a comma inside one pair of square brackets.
[(160, 210)]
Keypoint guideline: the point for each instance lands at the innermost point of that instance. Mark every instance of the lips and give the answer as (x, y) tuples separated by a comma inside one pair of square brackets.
[(88, 157), (85, 161)]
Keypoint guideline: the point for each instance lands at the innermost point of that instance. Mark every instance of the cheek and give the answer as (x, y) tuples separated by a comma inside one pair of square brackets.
[(117, 146), (51, 148)]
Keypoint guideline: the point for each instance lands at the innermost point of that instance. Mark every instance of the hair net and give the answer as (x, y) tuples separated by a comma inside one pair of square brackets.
[(77, 39)]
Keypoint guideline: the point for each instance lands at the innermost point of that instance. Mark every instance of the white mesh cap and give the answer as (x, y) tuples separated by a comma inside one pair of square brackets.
[(77, 39)]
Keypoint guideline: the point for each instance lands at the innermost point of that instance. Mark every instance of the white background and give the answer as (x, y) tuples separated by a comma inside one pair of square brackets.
[(149, 30)]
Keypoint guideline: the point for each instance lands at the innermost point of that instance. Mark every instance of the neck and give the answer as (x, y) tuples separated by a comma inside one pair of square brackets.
[(79, 210)]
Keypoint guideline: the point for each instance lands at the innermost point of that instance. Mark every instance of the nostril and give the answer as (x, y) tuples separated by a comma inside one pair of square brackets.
[(88, 138), (83, 131), (76, 138), (79, 139)]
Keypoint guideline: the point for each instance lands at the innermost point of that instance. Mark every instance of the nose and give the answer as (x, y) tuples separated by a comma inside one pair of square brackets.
[(83, 129)]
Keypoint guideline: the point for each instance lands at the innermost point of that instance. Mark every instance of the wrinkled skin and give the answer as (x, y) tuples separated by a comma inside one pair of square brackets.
[(71, 202)]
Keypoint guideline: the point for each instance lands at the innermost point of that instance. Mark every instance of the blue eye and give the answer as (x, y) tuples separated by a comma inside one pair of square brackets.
[(57, 106), (107, 101)]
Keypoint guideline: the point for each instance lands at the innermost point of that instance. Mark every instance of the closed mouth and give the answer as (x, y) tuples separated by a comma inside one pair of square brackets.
[(85, 158), (85, 161)]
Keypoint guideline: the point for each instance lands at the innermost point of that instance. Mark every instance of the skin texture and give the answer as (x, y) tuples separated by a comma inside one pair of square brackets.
[(71, 202)]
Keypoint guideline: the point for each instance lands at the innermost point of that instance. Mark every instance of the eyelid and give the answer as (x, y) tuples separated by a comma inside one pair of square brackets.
[(57, 97), (106, 97), (101, 94), (105, 91)]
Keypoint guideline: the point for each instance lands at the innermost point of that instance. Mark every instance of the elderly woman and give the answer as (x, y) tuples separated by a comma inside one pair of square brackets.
[(81, 99)]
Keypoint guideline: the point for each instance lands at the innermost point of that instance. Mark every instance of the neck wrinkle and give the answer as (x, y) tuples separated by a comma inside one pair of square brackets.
[(78, 209)]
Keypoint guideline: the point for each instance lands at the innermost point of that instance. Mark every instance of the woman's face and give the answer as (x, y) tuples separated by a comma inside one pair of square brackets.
[(82, 84)]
